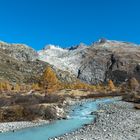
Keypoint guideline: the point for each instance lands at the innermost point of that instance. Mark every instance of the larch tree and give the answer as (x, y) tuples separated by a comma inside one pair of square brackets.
[(50, 81), (111, 85)]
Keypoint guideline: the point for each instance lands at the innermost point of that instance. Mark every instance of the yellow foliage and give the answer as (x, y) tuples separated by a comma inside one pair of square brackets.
[(35, 86), (5, 86), (111, 85), (17, 88), (50, 81), (78, 85)]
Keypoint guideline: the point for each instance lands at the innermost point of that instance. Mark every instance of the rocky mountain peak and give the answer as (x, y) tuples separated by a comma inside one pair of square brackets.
[(113, 44), (50, 46), (79, 46), (102, 40), (18, 51)]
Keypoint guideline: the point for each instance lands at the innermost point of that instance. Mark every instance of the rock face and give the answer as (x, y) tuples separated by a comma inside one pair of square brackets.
[(101, 61)]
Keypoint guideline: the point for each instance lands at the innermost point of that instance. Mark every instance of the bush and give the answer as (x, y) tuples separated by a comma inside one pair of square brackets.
[(52, 98), (11, 113)]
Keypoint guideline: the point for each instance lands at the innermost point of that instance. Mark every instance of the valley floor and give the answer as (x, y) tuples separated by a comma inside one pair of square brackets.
[(114, 121)]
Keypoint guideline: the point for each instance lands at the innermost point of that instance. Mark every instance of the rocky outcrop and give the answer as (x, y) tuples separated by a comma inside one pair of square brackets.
[(64, 76), (98, 63), (137, 106)]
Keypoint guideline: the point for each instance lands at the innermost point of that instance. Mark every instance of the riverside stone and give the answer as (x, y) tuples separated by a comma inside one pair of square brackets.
[(10, 126)]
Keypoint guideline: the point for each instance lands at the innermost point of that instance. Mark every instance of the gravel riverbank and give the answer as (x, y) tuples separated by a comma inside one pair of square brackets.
[(114, 121), (13, 126)]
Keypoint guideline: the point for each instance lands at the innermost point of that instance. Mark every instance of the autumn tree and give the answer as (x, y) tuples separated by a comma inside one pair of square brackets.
[(5, 86), (50, 81), (111, 85)]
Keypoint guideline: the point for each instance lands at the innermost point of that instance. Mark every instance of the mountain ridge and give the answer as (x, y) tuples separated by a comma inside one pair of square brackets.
[(98, 62), (94, 64)]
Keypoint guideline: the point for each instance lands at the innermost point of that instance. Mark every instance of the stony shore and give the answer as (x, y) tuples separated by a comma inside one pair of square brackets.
[(13, 126), (114, 121)]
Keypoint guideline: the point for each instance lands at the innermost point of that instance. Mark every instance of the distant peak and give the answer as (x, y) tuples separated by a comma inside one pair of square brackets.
[(18, 45), (104, 43), (50, 46), (102, 40), (80, 46)]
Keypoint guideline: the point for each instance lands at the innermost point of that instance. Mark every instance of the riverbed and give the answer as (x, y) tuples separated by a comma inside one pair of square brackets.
[(114, 121), (79, 115)]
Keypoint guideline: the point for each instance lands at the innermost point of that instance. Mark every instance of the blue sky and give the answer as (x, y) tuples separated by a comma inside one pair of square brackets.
[(68, 22)]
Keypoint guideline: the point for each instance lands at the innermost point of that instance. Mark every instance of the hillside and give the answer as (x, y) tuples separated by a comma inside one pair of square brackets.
[(19, 64)]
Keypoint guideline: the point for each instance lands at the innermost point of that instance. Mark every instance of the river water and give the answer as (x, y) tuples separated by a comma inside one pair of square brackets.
[(78, 116)]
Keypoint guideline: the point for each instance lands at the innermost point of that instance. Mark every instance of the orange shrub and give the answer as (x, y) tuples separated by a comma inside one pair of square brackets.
[(78, 85)]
